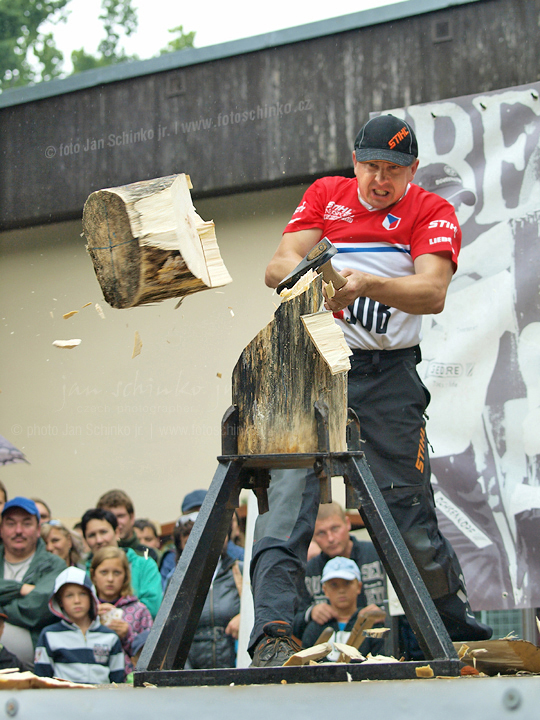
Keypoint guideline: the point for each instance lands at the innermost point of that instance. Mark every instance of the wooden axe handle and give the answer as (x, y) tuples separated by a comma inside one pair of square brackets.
[(330, 275)]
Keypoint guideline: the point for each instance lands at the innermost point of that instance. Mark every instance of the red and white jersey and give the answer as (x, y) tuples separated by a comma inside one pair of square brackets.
[(381, 242)]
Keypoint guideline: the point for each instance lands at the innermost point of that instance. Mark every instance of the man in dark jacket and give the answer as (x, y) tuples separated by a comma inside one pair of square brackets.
[(27, 575), (214, 644)]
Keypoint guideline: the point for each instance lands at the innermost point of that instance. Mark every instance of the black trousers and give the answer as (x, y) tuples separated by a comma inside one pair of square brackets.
[(390, 400)]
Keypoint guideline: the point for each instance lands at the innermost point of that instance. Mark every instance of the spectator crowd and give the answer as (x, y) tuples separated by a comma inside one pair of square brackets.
[(78, 603)]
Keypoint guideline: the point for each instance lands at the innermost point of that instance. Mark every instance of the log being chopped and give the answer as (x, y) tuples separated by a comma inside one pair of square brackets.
[(280, 376), (148, 244)]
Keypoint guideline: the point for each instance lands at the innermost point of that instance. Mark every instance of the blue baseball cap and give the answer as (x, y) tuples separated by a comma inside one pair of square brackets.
[(340, 567), (24, 504), (193, 500)]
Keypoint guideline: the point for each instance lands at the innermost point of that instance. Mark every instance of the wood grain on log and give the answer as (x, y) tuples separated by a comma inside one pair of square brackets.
[(148, 244), (279, 377)]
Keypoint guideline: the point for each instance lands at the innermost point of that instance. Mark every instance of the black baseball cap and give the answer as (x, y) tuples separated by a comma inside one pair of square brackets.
[(386, 138)]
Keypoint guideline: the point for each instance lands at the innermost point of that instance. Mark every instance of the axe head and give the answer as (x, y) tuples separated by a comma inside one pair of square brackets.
[(317, 256)]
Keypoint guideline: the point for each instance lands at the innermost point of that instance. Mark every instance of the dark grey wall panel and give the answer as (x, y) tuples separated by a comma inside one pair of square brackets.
[(278, 115)]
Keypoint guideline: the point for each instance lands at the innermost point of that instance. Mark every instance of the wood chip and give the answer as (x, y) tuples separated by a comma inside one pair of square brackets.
[(99, 311), (67, 315), (348, 652), (324, 636), (301, 285), (219, 375), (67, 344), (506, 657), (376, 632), (26, 680), (51, 314), (313, 653), (468, 670), (330, 290), (137, 346), (372, 659), (329, 340), (87, 304), (424, 671)]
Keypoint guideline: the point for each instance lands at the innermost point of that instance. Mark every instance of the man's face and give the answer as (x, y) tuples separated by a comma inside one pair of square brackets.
[(20, 532), (332, 536), (380, 183), (342, 594), (146, 537), (125, 521), (99, 533)]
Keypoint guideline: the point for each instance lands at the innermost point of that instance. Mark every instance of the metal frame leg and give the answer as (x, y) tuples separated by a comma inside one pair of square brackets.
[(402, 571), (170, 639)]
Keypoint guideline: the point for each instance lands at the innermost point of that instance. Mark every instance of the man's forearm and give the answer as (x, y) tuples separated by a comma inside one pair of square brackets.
[(9, 590), (419, 294), (291, 251), (412, 294)]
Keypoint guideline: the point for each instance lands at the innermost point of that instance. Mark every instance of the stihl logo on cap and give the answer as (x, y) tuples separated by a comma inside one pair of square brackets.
[(398, 137)]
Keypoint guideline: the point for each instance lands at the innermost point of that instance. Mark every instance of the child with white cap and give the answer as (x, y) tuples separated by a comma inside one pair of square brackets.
[(78, 647), (341, 585)]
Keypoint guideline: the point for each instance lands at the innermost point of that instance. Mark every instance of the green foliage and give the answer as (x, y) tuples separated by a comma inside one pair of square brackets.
[(118, 16), (26, 54), (184, 40)]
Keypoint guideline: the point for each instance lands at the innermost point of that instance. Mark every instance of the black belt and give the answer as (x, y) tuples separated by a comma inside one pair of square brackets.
[(378, 355)]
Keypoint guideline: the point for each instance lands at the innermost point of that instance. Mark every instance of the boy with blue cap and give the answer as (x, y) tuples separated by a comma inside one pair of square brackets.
[(27, 575)]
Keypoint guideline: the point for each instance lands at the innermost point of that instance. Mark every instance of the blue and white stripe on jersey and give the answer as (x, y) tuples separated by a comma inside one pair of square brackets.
[(371, 325), (372, 247)]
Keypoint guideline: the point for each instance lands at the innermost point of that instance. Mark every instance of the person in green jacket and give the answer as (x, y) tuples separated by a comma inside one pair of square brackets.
[(100, 529), (121, 506), (27, 575)]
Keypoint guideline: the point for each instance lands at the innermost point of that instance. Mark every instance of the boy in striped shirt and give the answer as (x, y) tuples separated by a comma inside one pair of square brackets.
[(78, 647)]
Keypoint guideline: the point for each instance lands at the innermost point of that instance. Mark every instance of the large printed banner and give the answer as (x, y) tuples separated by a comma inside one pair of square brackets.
[(481, 355)]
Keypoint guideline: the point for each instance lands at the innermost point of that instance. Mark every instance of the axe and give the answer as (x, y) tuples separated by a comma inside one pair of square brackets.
[(319, 257)]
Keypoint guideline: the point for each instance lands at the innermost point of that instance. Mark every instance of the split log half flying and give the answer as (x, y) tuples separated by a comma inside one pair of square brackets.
[(148, 244)]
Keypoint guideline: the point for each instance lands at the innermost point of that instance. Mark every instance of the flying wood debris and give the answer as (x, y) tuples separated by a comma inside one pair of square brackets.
[(66, 344), (67, 315), (99, 311), (137, 345), (87, 304)]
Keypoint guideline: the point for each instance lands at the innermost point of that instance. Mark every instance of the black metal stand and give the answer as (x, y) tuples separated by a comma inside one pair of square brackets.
[(167, 647)]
